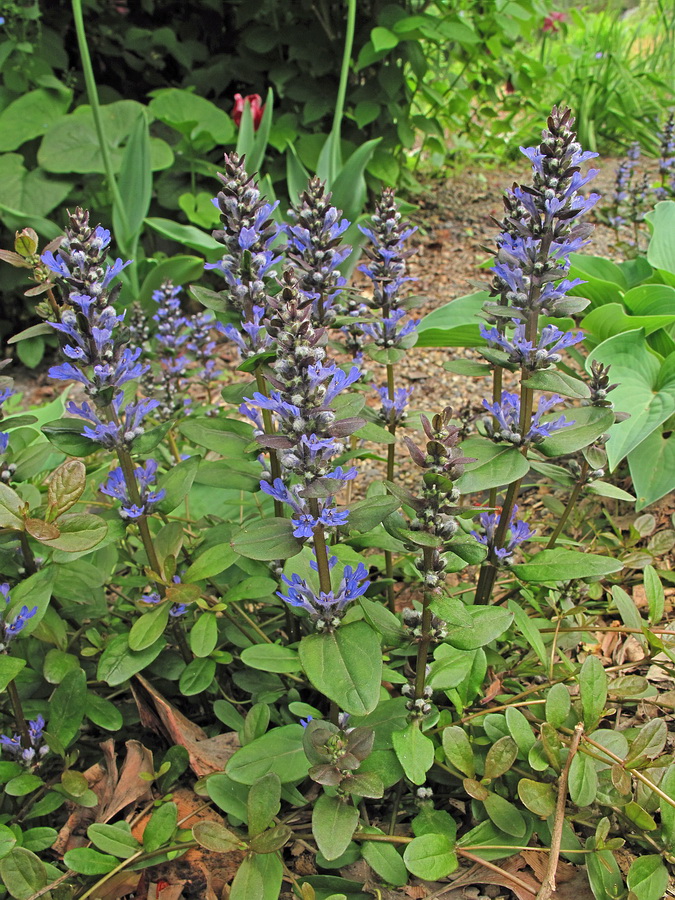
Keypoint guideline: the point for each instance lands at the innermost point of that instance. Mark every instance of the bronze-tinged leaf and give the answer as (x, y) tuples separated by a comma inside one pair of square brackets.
[(66, 487), (41, 531), (183, 593), (14, 259)]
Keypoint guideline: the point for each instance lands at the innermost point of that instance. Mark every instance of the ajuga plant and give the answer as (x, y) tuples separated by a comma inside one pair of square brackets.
[(184, 575)]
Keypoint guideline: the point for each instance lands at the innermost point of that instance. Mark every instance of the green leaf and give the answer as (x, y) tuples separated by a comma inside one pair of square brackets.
[(78, 532), (415, 752), (583, 780), (593, 690), (345, 665), (500, 757), (505, 815), (611, 319), (529, 630), (458, 751), (333, 824), (8, 840), (161, 827), (214, 836), (455, 324), (646, 390), (648, 744), (430, 857), (228, 795), (66, 707), (10, 666), (558, 383), (197, 676), (88, 861), (31, 115), (193, 116), (211, 562), (652, 468), (179, 269), (604, 874), (72, 145), (118, 663), (487, 624), (384, 859), (264, 802), (661, 251), (22, 873), (589, 423), (28, 195), (647, 876), (204, 634), (495, 465), (520, 730), (258, 876), (565, 565), (103, 712), (558, 705), (655, 594), (23, 784), (267, 539), (364, 515), (134, 183), (538, 797), (271, 658), (383, 39), (149, 627), (66, 434), (667, 809), (57, 664), (279, 750), (177, 483), (113, 839)]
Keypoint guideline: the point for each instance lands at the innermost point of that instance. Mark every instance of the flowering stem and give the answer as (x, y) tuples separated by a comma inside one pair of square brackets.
[(321, 550), (488, 572), (425, 640), (275, 468), (27, 553), (574, 496), (21, 723), (391, 458)]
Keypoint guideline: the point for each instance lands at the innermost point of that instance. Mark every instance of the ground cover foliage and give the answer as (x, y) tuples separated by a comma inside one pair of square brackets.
[(198, 580)]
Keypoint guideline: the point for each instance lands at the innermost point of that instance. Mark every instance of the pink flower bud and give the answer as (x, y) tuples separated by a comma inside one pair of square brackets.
[(257, 109)]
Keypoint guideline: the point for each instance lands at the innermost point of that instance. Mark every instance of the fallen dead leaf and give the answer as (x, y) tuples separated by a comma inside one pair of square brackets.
[(207, 755)]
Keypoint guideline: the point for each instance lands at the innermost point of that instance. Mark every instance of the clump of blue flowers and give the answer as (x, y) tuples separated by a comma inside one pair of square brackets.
[(315, 247), (326, 608), (6, 391), (308, 433), (116, 487), (248, 233), (10, 629), (505, 423), (92, 338), (38, 748), (518, 532), (667, 159)]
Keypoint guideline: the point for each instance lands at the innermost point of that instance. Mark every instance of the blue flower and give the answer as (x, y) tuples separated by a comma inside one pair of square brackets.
[(526, 353), (9, 630), (518, 532), (507, 415), (37, 749), (326, 609), (117, 488)]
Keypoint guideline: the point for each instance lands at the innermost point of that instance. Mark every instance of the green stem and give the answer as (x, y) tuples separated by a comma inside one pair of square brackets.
[(320, 550), (344, 71), (574, 496), (92, 94), (425, 640), (275, 468), (19, 717)]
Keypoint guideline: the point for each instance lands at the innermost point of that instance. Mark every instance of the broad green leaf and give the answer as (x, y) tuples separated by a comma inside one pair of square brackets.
[(538, 797), (267, 539), (177, 483), (646, 390), (22, 873), (589, 423), (214, 836), (457, 749), (10, 666), (364, 515), (565, 565), (604, 874), (384, 859), (495, 465), (160, 827), (179, 269), (604, 280), (529, 630), (345, 665), (258, 876), (66, 707), (271, 658), (558, 383), (430, 857), (197, 676), (71, 144), (593, 690), (149, 627), (31, 115), (204, 634), (211, 562), (558, 704), (113, 839), (520, 730), (611, 319), (192, 115), (655, 594), (103, 712), (349, 184), (7, 840), (661, 251), (500, 757), (649, 743), (88, 861), (652, 468), (78, 532), (66, 434), (333, 824), (118, 662), (10, 508), (455, 324), (415, 752), (27, 191), (668, 810), (263, 803), (488, 623), (279, 750), (648, 877), (135, 185), (583, 780), (505, 815)]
